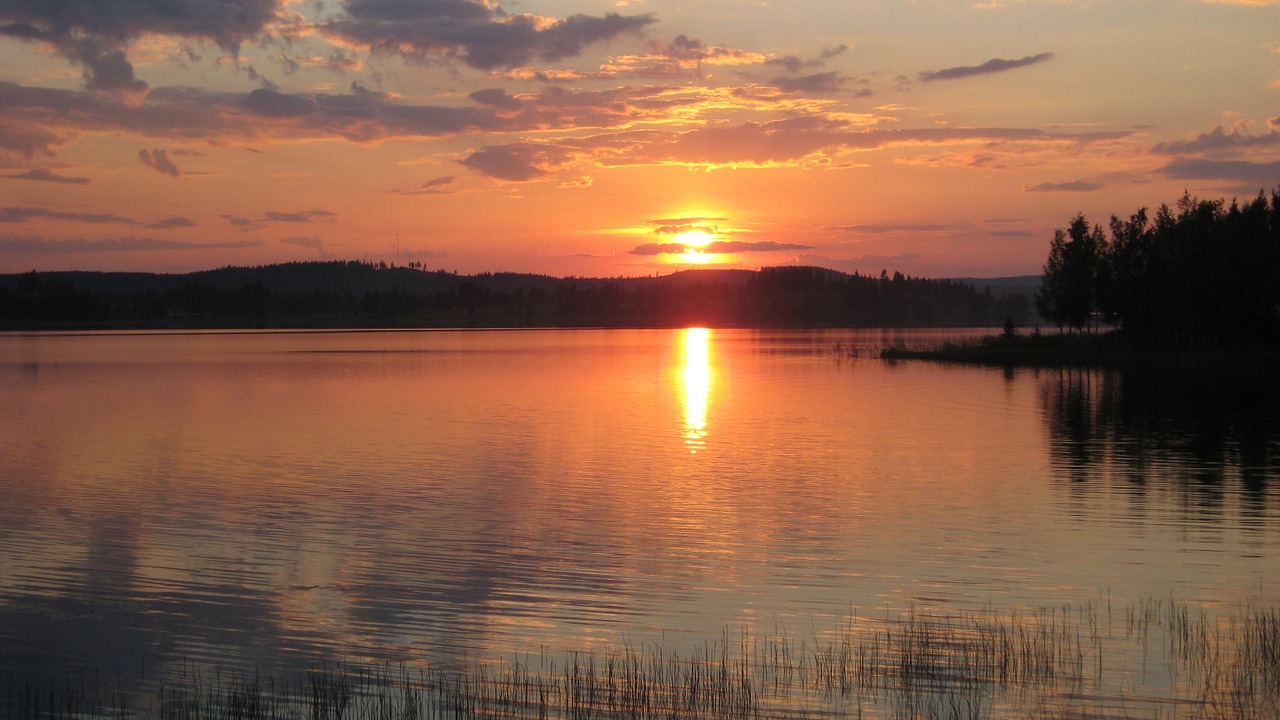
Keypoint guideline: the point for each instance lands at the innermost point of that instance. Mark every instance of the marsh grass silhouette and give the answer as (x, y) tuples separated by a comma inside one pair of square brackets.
[(1053, 662)]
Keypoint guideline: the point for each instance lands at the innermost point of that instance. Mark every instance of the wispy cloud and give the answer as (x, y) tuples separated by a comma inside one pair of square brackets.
[(518, 162), (45, 175), (272, 216), (994, 65), (1071, 186), (717, 247), (1219, 139), (40, 120), (817, 83), (366, 116), (740, 246), (683, 57), (1260, 174), (19, 245), (794, 64), (435, 186), (25, 137), (791, 140), (306, 241), (297, 217), (26, 214), (172, 222), (874, 229), (675, 226)]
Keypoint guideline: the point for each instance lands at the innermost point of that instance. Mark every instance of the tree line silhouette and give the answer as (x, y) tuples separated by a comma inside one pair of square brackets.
[(362, 294), (1201, 275)]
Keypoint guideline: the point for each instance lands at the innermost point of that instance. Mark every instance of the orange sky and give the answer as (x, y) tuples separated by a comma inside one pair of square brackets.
[(575, 137)]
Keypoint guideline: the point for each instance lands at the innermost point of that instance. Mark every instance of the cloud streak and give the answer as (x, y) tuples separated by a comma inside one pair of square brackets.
[(435, 186), (1072, 186), (789, 141), (882, 229), (20, 215), (717, 247), (992, 66), (1261, 174), (45, 175), (40, 120), (1219, 140), (273, 216), (34, 246), (675, 226), (27, 214)]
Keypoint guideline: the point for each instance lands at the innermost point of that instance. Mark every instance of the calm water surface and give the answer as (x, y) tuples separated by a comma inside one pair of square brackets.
[(275, 499)]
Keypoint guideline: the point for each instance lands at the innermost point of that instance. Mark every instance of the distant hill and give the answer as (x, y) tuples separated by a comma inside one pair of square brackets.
[(360, 294), (1002, 286), (300, 277)]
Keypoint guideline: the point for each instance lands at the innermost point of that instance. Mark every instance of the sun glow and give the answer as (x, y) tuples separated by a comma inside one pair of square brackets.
[(694, 256)]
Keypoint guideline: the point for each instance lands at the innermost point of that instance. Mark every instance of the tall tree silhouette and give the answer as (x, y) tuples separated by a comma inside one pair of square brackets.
[(1068, 289), (1201, 274)]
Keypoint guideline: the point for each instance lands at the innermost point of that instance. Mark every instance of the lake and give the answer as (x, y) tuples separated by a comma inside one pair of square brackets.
[(275, 500)]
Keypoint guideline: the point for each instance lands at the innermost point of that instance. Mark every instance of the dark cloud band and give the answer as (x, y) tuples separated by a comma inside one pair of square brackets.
[(479, 35), (96, 35)]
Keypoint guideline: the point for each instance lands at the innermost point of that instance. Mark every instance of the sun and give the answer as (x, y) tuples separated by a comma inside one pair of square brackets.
[(696, 238)]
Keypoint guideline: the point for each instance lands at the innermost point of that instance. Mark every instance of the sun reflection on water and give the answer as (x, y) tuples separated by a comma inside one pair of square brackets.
[(696, 386)]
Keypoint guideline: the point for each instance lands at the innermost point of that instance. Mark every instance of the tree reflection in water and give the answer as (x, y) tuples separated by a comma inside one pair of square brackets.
[(1207, 434)]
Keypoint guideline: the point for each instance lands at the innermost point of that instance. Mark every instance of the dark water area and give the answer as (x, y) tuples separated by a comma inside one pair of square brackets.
[(267, 502), (1210, 433)]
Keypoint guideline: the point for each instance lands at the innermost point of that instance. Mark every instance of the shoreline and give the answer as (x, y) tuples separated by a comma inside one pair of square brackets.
[(1083, 350)]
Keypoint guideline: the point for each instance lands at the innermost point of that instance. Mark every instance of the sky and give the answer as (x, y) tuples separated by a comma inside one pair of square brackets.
[(938, 138)]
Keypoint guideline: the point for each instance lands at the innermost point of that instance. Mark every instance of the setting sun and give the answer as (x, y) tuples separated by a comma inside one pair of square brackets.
[(695, 238)]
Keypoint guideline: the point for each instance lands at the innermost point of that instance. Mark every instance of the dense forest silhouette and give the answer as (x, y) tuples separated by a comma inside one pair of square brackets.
[(1200, 275), (363, 294)]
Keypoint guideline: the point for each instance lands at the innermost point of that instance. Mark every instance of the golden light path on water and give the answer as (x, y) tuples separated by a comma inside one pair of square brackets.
[(696, 386)]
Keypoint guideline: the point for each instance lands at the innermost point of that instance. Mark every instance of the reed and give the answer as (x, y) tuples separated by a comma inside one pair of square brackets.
[(1073, 661)]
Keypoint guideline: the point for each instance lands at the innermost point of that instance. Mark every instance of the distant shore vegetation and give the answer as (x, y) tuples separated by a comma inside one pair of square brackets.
[(362, 294), (1199, 282)]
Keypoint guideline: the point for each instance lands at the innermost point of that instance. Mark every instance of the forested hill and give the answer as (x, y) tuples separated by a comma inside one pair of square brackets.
[(361, 294)]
